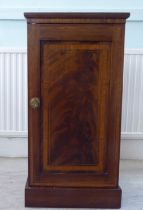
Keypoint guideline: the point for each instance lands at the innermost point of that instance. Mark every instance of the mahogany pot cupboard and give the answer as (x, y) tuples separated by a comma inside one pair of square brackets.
[(75, 71)]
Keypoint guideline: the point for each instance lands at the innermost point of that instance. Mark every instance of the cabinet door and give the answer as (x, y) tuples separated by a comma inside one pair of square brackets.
[(70, 142)]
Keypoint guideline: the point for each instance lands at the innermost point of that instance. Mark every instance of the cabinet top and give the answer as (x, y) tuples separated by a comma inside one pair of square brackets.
[(76, 17)]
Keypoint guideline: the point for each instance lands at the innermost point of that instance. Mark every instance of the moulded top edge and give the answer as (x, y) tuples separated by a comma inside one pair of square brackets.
[(61, 15)]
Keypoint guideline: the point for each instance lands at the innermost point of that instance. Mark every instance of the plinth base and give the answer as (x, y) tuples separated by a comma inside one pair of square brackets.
[(72, 197)]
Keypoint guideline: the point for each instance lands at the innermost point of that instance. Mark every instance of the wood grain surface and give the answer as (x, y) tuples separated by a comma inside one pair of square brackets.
[(74, 116), (75, 68)]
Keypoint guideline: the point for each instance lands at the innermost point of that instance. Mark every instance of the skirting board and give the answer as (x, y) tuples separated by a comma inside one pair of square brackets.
[(13, 147), (18, 147)]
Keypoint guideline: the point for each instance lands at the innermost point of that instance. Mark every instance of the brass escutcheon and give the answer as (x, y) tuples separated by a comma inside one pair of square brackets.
[(35, 103)]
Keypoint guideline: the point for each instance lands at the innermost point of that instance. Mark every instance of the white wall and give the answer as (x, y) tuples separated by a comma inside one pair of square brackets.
[(13, 136), (12, 20)]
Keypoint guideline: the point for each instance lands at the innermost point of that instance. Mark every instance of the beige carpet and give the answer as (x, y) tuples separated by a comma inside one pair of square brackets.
[(13, 174)]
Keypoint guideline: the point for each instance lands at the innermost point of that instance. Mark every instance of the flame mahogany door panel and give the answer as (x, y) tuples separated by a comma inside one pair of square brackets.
[(75, 71), (75, 100)]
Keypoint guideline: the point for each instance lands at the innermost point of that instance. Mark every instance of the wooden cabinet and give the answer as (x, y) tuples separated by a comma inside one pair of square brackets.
[(75, 70)]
